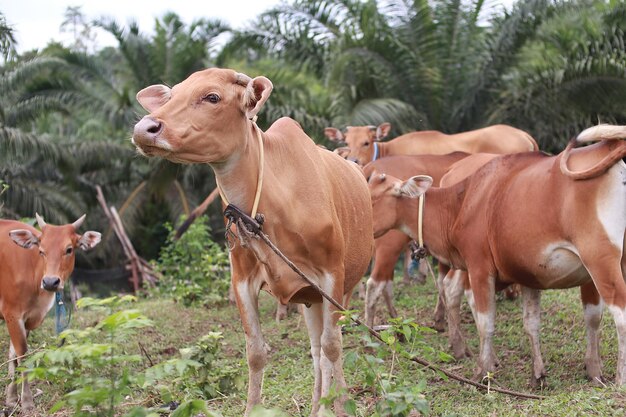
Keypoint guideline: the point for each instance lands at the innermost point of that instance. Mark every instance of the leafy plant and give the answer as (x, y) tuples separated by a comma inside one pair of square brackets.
[(198, 373), (194, 268), (92, 365), (379, 364)]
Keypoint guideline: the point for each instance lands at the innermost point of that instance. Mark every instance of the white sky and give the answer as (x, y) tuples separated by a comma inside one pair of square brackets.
[(36, 22)]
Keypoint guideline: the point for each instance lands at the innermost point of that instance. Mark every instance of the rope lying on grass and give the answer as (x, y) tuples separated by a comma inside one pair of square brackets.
[(252, 228)]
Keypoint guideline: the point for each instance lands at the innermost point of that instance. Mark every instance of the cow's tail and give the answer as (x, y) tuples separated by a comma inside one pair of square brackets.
[(601, 132)]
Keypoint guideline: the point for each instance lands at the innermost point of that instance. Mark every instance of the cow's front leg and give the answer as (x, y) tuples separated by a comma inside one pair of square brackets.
[(247, 295), (331, 360), (482, 296), (11, 391), (314, 319), (532, 324), (18, 335), (453, 286)]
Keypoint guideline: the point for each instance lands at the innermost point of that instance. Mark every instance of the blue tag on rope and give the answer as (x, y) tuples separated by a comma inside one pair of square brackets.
[(61, 319)]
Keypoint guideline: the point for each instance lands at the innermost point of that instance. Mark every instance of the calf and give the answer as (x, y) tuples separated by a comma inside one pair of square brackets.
[(30, 275), (364, 144), (389, 246), (540, 221), (315, 204), (455, 167)]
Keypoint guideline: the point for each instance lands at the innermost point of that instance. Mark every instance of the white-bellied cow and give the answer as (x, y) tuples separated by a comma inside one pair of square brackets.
[(30, 275), (540, 221), (364, 142), (316, 205)]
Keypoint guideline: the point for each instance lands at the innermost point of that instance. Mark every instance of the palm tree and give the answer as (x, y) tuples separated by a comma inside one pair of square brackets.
[(418, 64), (7, 39), (571, 76)]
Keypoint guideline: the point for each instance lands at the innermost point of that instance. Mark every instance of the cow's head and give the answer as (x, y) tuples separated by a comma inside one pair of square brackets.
[(386, 192), (360, 141), (204, 119), (57, 245)]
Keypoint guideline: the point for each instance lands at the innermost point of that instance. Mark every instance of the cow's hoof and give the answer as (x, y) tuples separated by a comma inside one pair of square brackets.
[(539, 383), (461, 352), (439, 326)]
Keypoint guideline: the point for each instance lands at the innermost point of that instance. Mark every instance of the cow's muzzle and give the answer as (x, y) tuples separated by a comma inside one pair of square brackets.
[(146, 131), (51, 283)]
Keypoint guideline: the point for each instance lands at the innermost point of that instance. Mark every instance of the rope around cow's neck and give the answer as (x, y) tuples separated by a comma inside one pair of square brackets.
[(251, 227), (259, 184)]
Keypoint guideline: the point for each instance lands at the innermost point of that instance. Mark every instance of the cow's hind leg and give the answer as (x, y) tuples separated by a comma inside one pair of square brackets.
[(18, 335), (482, 297), (388, 296), (606, 271), (247, 301), (532, 324), (373, 292), (593, 308)]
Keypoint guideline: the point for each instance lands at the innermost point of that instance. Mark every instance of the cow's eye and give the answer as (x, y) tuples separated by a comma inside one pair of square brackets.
[(42, 253), (68, 251), (366, 144), (211, 98)]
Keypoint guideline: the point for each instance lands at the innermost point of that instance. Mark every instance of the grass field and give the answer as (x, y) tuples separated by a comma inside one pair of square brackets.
[(288, 377)]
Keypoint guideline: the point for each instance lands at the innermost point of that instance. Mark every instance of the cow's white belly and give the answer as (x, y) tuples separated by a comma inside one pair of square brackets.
[(562, 267)]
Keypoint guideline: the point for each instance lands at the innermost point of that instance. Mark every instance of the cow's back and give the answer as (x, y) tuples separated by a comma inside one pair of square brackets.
[(406, 166), (498, 139), (525, 201)]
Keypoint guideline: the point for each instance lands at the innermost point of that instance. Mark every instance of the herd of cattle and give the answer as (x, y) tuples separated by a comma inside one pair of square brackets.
[(491, 208)]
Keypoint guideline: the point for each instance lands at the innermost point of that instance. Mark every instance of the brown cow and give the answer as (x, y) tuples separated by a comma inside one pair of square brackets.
[(388, 247), (29, 278), (365, 146), (455, 167), (541, 221), (316, 205)]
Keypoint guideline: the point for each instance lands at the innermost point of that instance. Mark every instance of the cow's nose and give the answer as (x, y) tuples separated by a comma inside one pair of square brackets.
[(147, 130), (51, 283)]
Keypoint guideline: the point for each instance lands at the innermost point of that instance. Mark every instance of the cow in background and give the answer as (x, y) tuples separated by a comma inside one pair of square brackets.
[(364, 142), (316, 207), (30, 275), (541, 221)]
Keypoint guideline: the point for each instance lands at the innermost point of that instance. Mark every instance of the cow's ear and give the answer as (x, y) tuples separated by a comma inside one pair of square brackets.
[(334, 134), (24, 238), (343, 152), (257, 92), (89, 240), (153, 97), (383, 130), (415, 186)]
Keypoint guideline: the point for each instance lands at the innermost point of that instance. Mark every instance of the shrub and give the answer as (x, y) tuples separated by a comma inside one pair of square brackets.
[(195, 269)]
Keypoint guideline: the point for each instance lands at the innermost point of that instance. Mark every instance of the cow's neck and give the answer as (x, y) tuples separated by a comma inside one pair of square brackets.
[(440, 209), (238, 176)]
